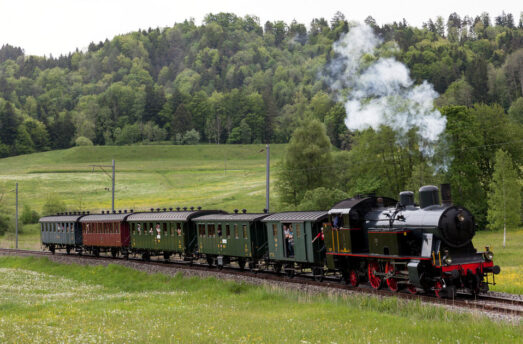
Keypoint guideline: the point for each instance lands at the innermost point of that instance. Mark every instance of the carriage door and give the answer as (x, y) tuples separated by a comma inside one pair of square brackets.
[(301, 240)]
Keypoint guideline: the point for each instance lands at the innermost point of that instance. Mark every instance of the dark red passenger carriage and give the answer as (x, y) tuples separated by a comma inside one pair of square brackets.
[(107, 232)]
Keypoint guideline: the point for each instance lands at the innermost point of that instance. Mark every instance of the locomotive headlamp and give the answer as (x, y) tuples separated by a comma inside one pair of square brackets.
[(447, 258), (488, 254), (460, 217)]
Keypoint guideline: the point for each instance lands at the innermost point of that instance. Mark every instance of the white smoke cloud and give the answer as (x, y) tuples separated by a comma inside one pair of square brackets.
[(379, 91)]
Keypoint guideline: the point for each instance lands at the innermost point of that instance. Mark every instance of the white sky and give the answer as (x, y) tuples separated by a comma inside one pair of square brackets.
[(60, 26)]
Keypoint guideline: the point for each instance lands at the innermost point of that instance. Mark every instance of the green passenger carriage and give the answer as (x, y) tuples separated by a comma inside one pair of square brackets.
[(239, 237), (306, 249), (164, 233)]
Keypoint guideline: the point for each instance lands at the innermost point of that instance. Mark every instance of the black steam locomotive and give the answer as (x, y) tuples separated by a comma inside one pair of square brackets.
[(400, 244)]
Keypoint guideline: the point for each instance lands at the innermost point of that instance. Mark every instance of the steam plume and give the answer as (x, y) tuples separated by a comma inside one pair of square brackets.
[(377, 90)]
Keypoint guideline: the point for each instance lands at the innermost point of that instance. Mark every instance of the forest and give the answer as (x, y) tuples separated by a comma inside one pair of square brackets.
[(235, 80)]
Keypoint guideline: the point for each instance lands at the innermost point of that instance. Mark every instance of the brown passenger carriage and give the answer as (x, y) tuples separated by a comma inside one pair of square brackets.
[(106, 232)]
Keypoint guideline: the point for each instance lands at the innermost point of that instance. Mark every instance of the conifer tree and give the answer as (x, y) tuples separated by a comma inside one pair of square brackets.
[(504, 198)]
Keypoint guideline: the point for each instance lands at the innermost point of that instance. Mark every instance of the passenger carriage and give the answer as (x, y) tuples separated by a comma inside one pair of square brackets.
[(61, 232), (240, 237), (307, 249), (165, 233), (106, 232)]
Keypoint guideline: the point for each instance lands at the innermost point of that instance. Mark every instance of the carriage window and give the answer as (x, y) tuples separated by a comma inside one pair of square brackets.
[(178, 229), (228, 231), (210, 229), (133, 228), (201, 230), (244, 227), (236, 236), (165, 229), (274, 230), (219, 230), (298, 230)]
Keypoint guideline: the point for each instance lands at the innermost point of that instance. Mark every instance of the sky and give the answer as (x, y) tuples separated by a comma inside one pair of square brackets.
[(60, 26)]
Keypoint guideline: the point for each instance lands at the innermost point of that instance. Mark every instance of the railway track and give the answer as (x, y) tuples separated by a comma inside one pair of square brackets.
[(507, 304)]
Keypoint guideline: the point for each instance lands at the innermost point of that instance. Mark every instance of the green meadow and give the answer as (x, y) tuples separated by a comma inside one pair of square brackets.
[(211, 176), (46, 302)]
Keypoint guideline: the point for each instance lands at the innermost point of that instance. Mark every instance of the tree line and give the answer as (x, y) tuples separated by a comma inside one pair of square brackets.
[(480, 154), (234, 80)]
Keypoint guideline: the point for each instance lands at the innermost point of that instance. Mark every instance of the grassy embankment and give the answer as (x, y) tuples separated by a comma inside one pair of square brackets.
[(41, 301)]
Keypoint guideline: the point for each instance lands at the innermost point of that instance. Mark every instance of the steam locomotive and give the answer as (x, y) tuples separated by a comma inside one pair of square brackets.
[(401, 244), (376, 239)]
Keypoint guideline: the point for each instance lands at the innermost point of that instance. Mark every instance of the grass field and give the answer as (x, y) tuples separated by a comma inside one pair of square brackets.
[(45, 302), (211, 176)]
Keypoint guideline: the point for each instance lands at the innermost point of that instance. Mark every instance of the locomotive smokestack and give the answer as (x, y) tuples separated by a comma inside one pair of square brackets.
[(406, 198), (446, 196), (428, 195)]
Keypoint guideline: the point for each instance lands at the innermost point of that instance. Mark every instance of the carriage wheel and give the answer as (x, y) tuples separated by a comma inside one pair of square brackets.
[(51, 248), (318, 274), (354, 279), (210, 261), (166, 256), (277, 267), (438, 288), (114, 252), (412, 289), (146, 257), (241, 263), (374, 280), (391, 281), (68, 249), (96, 252)]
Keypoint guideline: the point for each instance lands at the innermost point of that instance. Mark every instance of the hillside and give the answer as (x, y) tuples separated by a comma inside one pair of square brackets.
[(237, 80), (211, 176)]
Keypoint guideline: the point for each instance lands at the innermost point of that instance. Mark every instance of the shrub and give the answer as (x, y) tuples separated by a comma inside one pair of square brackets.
[(29, 216), (191, 137), (83, 141)]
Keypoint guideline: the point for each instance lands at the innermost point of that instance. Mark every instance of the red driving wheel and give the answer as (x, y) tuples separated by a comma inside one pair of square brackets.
[(391, 281), (353, 278), (412, 289), (438, 287), (374, 280)]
